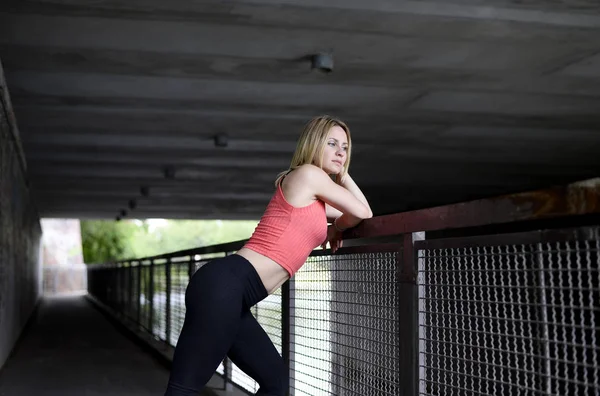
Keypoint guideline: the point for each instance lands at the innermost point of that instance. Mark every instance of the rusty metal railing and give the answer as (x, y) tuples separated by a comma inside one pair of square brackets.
[(497, 296)]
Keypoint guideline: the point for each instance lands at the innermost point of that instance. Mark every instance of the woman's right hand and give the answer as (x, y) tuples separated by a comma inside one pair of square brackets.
[(334, 237), (340, 180)]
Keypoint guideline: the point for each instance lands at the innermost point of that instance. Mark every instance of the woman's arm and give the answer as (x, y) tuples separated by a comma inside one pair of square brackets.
[(339, 197), (349, 184)]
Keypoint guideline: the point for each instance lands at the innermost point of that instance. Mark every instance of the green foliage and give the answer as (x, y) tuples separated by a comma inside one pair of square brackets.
[(109, 240), (104, 240)]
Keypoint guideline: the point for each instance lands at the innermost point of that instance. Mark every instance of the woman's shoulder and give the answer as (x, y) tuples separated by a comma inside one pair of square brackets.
[(303, 180), (307, 172)]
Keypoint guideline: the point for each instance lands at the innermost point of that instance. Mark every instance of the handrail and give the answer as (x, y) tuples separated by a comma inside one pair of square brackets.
[(575, 199), (579, 198), (222, 247)]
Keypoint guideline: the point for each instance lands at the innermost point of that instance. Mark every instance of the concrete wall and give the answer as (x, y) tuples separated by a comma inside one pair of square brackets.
[(20, 234)]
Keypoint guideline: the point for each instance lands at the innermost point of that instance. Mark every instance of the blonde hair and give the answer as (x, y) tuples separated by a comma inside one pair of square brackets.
[(311, 145)]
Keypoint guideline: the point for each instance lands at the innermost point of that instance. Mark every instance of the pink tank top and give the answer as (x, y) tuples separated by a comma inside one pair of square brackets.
[(287, 234)]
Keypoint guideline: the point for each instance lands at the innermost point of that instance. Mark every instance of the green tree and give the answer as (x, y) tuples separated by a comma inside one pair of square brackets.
[(104, 240), (108, 240), (174, 235)]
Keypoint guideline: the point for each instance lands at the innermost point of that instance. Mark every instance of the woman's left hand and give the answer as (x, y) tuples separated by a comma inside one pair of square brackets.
[(334, 237)]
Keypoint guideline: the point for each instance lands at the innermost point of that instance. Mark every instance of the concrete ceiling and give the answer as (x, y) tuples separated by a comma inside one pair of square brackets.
[(447, 101)]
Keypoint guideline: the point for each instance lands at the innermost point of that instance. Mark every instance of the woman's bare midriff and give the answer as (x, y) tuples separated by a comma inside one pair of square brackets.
[(272, 274)]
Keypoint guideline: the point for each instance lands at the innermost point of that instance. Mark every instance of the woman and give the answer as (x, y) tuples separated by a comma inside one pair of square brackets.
[(218, 298)]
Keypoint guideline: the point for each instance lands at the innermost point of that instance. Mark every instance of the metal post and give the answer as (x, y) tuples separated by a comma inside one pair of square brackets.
[(408, 330), (139, 293), (227, 364), (113, 286), (545, 339), (151, 298), (168, 302), (121, 289), (288, 291), (124, 292), (129, 289)]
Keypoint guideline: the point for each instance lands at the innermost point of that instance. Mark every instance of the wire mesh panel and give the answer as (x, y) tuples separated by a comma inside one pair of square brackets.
[(145, 297), (159, 301), (134, 301), (95, 276), (129, 295), (571, 316), (518, 319), (312, 359), (112, 287), (122, 291), (179, 281), (345, 326)]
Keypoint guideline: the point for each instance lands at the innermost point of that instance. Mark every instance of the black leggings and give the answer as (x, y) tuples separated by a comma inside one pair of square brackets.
[(218, 322)]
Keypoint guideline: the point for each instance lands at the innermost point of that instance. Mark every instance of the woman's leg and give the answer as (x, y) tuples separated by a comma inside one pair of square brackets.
[(213, 305), (254, 353)]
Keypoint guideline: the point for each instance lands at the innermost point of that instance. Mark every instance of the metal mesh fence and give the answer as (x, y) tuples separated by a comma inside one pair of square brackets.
[(159, 301), (179, 281), (518, 319), (344, 323), (496, 315), (145, 297), (134, 293)]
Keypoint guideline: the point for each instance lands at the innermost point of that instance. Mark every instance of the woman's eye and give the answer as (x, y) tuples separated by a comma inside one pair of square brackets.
[(332, 144)]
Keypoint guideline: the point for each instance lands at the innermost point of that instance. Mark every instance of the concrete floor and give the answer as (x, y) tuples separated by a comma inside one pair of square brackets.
[(71, 349)]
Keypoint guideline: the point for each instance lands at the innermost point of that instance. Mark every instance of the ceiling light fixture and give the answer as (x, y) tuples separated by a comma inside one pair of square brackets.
[(322, 62), (221, 140)]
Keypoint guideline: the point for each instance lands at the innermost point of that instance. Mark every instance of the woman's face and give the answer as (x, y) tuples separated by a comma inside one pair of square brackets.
[(335, 153)]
